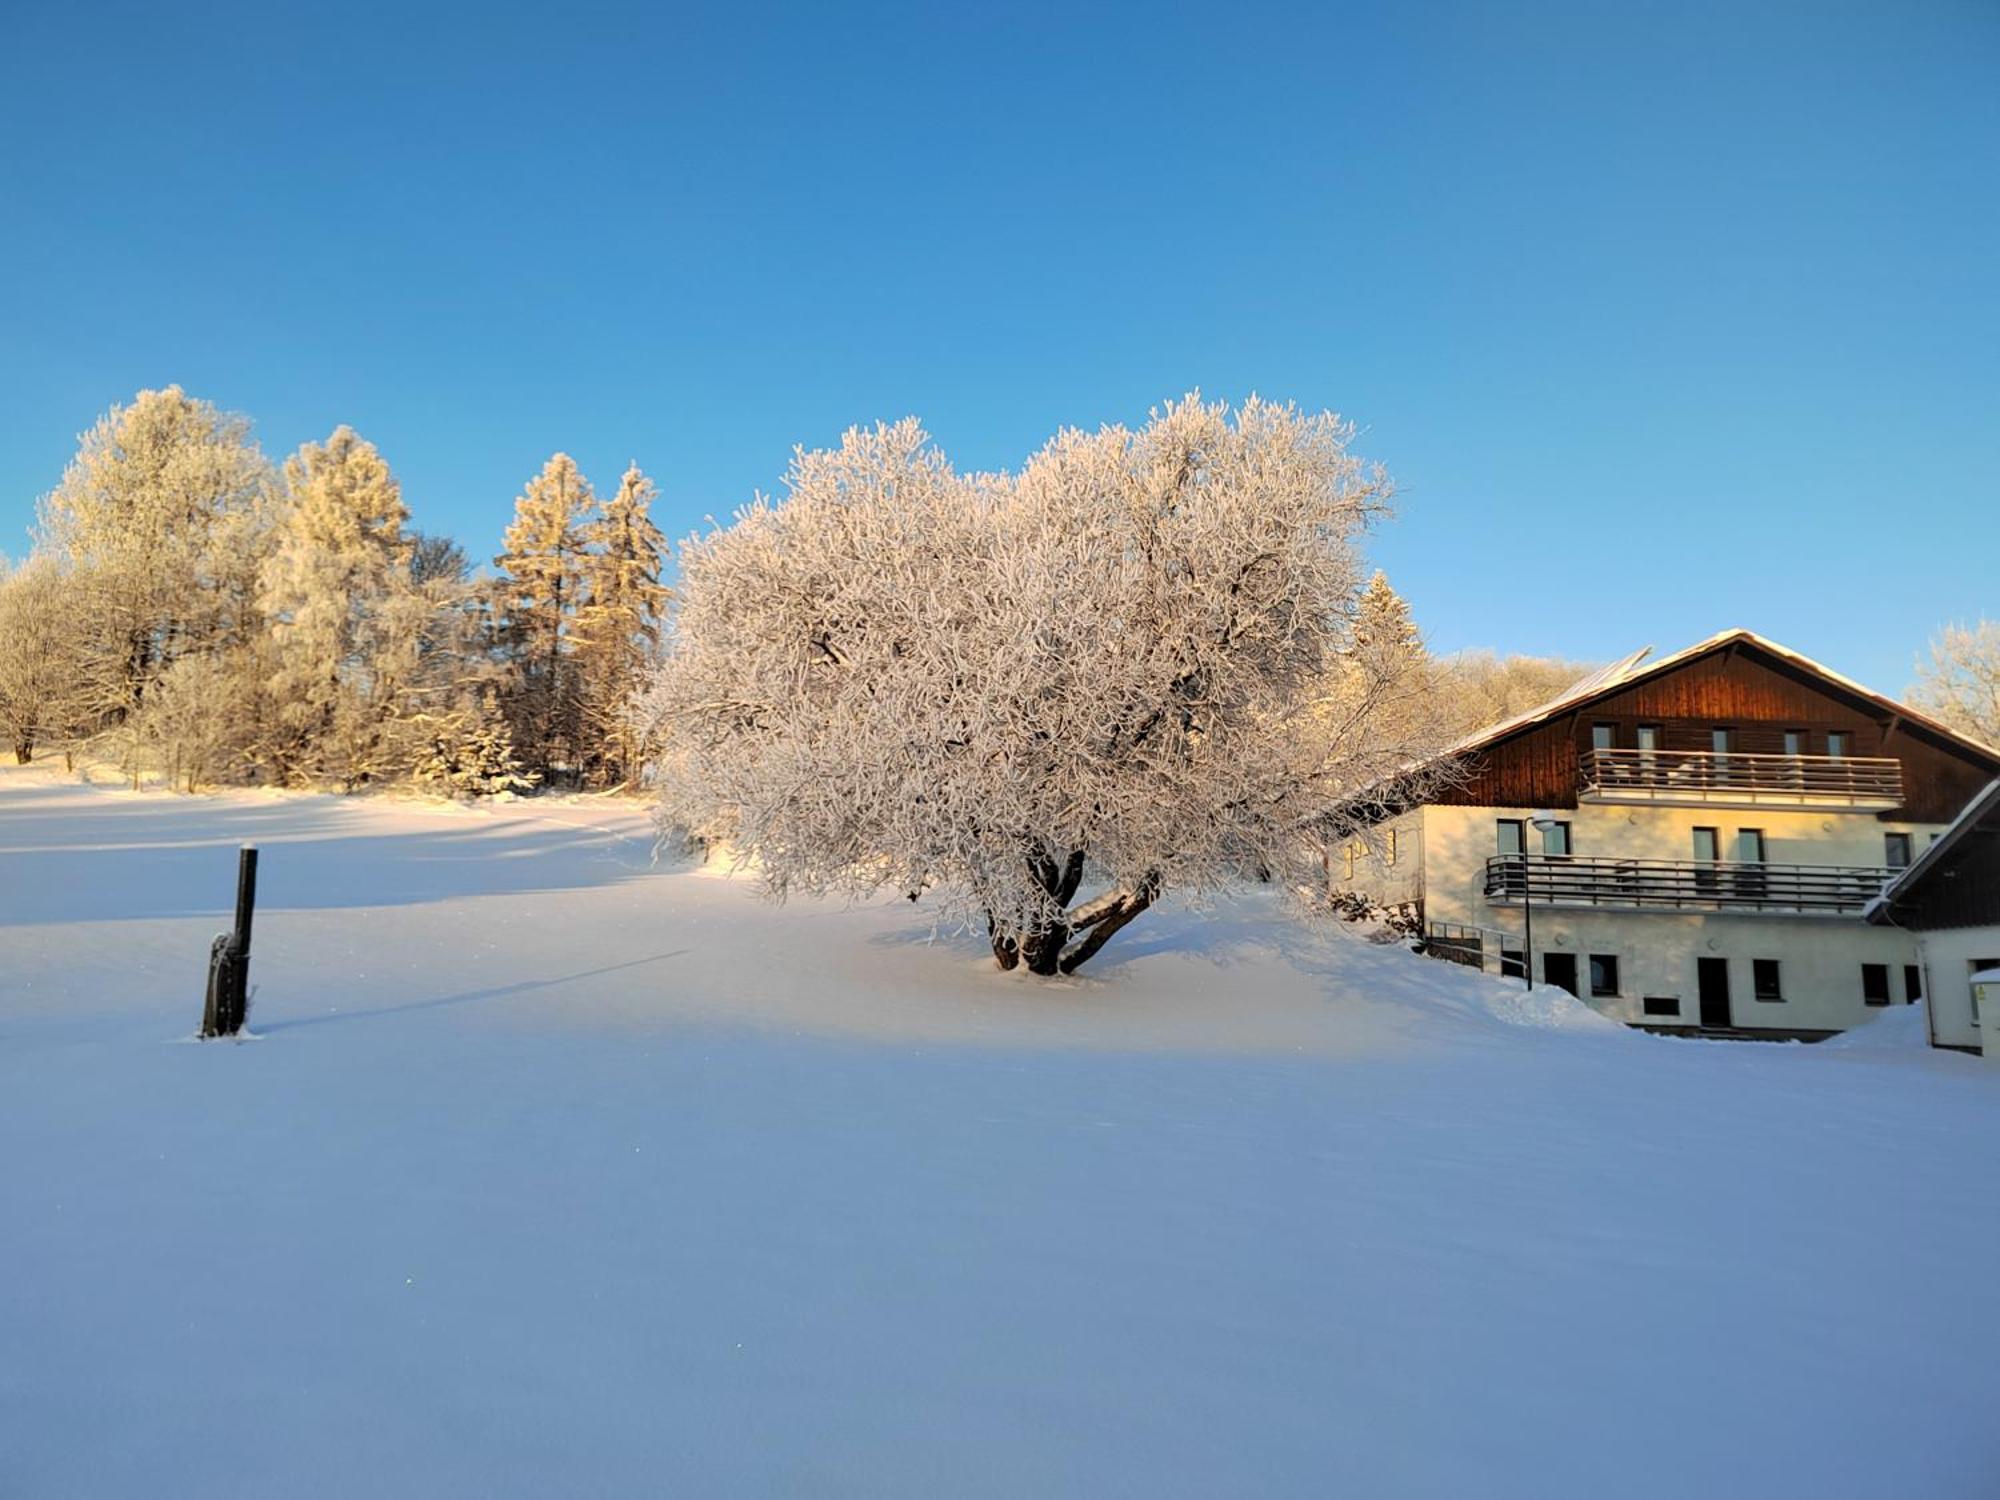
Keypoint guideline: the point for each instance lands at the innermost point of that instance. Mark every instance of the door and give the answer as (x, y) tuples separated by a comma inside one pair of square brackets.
[(1713, 974), (1559, 969)]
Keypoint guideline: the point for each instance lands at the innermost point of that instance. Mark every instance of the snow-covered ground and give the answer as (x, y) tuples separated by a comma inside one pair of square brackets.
[(555, 1173)]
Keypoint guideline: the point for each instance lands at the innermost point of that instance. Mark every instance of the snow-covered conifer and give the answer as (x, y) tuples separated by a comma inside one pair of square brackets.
[(331, 588), (618, 626), (540, 591)]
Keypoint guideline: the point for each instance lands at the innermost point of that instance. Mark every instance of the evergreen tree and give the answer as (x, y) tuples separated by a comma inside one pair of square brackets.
[(332, 593), (541, 590), (618, 627), (1382, 620)]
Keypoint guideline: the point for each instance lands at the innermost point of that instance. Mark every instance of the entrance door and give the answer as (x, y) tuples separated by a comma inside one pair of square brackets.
[(1559, 969), (1713, 974)]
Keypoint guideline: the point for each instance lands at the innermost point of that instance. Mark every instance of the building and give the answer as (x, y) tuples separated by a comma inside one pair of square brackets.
[(1713, 824), (1949, 897)]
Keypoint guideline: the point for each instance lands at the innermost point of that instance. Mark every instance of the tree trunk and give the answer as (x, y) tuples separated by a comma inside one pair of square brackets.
[(24, 751)]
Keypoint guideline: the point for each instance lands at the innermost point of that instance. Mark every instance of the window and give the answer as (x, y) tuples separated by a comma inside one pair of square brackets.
[(1913, 984), (1764, 981), (1603, 973), (1603, 736), (1555, 839), (1513, 963), (1875, 983), (1719, 740), (1707, 850), (1510, 835), (1663, 1005), (1896, 850), (1389, 847), (1795, 742), (1751, 882), (1649, 737), (1838, 742)]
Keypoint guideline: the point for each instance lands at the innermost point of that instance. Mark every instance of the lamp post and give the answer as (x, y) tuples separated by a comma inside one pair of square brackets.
[(1541, 822)]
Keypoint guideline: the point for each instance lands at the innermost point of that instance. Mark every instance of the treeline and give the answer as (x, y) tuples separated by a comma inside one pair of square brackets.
[(194, 612)]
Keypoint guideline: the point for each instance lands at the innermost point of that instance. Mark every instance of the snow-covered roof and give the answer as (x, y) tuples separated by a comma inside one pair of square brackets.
[(1623, 673), (1987, 976), (1981, 807)]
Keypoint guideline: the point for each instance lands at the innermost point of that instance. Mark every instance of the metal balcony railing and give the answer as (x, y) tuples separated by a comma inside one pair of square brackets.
[(1712, 777), (1682, 884)]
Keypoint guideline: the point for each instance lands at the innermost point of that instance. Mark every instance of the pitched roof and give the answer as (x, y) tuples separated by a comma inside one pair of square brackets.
[(1635, 668), (1984, 807)]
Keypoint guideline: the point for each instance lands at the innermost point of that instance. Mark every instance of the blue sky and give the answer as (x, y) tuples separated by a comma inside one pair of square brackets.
[(1666, 318)]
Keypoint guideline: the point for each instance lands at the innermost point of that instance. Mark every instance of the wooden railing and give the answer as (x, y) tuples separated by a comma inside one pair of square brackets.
[(1727, 777), (1682, 884)]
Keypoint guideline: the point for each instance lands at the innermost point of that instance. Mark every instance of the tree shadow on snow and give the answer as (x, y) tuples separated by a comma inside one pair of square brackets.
[(63, 859)]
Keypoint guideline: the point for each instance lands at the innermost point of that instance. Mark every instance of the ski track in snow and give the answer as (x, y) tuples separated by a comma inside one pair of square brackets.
[(553, 1171)]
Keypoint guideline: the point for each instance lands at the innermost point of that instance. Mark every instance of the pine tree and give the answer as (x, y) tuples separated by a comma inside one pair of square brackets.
[(331, 592), (618, 627), (541, 589), (1382, 620)]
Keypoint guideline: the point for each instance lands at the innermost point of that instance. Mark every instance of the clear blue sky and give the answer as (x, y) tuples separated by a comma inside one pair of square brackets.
[(1666, 317)]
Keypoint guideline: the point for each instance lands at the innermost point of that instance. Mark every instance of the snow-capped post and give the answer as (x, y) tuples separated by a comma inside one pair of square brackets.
[(227, 1002)]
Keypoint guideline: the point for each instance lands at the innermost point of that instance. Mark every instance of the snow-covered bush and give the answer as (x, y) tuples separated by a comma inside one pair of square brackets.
[(1131, 667), (468, 756)]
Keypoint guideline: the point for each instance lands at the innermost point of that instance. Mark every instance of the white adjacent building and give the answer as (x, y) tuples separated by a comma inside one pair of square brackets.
[(1688, 842), (1949, 901)]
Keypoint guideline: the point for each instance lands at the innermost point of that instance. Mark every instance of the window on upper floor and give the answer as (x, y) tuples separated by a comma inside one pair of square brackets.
[(1707, 845), (1603, 973), (1510, 835), (1896, 850), (1795, 742), (1750, 845), (1765, 979), (1603, 736), (1838, 742), (1875, 984), (1555, 839), (1721, 740)]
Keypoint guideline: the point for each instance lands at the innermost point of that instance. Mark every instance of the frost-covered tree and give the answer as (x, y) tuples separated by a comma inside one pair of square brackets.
[(618, 626), (332, 592), (1129, 669), (1382, 619), (44, 663), (1479, 689), (162, 511), (540, 591), (1960, 683)]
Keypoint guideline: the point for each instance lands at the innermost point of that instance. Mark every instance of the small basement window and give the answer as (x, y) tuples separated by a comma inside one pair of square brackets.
[(1603, 973), (1663, 1005), (1764, 979), (1875, 983)]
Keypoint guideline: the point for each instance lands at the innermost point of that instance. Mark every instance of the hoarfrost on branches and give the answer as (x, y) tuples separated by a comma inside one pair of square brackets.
[(1130, 668)]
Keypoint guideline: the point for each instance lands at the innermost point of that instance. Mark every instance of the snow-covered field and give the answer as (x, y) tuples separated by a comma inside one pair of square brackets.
[(555, 1173)]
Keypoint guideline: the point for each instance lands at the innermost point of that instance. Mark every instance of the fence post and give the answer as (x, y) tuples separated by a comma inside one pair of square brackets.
[(227, 1002)]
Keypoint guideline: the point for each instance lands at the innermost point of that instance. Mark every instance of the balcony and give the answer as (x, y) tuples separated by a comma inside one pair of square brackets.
[(1708, 778), (1683, 884)]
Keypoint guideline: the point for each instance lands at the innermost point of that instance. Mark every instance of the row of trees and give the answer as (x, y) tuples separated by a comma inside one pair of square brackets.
[(193, 610)]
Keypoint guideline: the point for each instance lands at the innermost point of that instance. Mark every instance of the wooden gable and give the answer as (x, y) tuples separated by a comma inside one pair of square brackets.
[(1756, 694)]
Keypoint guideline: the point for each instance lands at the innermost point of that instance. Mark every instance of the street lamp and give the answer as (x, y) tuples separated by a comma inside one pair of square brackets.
[(1541, 822)]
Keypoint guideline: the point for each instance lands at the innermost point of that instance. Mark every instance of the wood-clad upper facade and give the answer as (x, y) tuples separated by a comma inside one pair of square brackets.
[(1733, 720)]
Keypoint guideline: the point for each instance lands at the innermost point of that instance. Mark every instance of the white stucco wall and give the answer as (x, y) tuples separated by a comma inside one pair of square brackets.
[(1442, 858), (1950, 955)]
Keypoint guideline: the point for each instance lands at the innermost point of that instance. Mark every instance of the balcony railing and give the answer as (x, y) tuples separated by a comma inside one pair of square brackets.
[(1682, 884), (1712, 777)]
